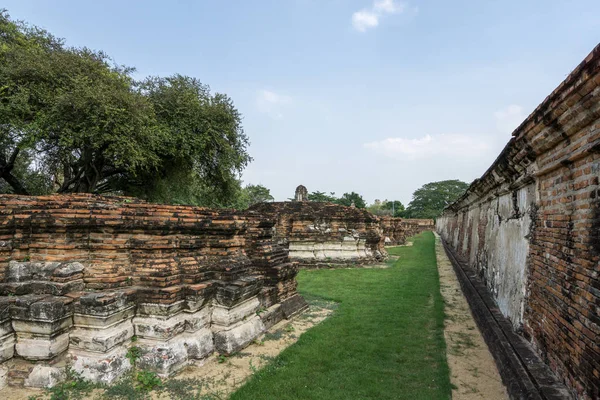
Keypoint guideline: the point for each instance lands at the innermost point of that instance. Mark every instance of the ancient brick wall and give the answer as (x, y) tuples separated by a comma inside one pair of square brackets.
[(325, 234), (531, 227), (81, 275), (396, 230)]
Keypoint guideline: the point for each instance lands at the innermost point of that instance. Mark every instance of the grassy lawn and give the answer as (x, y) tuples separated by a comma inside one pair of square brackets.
[(385, 341)]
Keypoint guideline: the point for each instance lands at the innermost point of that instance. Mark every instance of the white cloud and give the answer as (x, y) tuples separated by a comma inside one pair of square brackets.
[(364, 19), (509, 118), (369, 18), (430, 147), (272, 103), (388, 6)]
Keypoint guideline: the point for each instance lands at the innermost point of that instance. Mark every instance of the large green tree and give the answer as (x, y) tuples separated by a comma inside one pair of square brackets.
[(430, 200), (73, 121), (72, 113), (204, 148)]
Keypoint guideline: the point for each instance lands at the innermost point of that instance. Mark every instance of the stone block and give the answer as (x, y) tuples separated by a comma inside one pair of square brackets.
[(7, 347), (100, 367), (160, 328), (6, 327), (237, 291), (42, 271), (197, 320), (293, 306), (271, 316), (37, 327), (101, 340), (231, 339), (102, 321), (41, 347), (227, 316), (163, 357), (199, 344), (44, 376), (42, 308)]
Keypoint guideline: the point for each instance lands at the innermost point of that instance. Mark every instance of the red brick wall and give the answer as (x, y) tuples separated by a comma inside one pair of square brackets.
[(556, 152), (125, 242)]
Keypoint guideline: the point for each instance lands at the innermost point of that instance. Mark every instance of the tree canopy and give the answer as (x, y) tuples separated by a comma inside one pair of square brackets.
[(393, 208), (346, 200), (322, 196), (253, 194), (73, 121), (430, 200)]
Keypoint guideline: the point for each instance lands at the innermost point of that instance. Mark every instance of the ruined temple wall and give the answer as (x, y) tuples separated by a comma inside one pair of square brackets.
[(81, 275), (531, 225), (396, 230), (324, 234)]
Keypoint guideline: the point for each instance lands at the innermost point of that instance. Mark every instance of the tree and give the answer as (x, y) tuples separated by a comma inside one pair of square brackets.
[(253, 194), (395, 207), (430, 200), (348, 198), (73, 117), (322, 196), (203, 135), (76, 116)]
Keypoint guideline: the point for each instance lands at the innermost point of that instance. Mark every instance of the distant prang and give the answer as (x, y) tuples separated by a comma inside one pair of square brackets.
[(301, 193)]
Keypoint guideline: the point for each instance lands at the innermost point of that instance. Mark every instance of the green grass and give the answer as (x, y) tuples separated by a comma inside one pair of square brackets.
[(385, 341)]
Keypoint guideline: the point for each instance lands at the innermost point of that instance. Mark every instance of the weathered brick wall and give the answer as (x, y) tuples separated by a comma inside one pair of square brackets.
[(531, 227), (80, 275), (396, 230), (325, 234)]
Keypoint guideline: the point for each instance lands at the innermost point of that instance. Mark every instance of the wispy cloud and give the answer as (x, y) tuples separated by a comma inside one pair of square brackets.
[(272, 103), (430, 146), (369, 17), (509, 118)]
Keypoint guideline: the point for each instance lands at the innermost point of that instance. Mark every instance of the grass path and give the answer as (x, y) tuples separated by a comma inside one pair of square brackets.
[(385, 341)]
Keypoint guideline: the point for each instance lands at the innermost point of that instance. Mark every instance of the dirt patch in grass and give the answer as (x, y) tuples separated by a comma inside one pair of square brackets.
[(473, 372)]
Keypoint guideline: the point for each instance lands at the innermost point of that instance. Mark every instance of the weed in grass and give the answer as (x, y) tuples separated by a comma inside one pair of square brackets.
[(253, 367), (124, 389), (461, 341), (148, 381), (266, 358), (183, 389), (222, 358)]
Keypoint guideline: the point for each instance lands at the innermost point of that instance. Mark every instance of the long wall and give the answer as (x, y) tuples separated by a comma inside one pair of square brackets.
[(530, 226), (81, 275)]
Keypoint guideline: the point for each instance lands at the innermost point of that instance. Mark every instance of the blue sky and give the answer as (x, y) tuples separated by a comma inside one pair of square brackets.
[(378, 97)]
